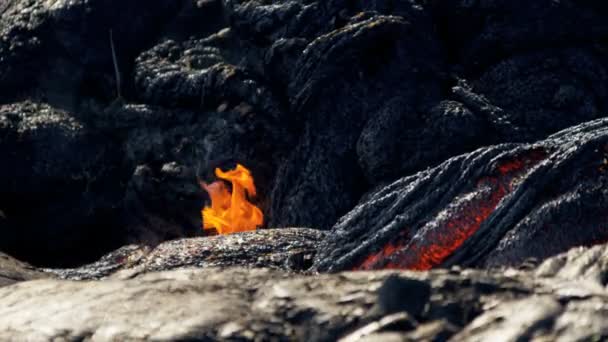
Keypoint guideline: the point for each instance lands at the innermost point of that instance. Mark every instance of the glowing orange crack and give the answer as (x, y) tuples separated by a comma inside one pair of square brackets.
[(437, 242)]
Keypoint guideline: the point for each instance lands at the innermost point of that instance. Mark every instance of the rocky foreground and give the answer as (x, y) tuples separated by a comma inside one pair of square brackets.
[(563, 299)]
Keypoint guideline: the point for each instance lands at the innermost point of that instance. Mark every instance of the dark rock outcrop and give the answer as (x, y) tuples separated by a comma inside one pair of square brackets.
[(59, 186), (481, 33), (368, 63), (546, 91), (496, 206), (168, 150), (483, 76), (324, 101), (62, 49)]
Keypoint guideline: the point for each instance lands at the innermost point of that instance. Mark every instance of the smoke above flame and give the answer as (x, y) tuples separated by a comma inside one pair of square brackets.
[(231, 212)]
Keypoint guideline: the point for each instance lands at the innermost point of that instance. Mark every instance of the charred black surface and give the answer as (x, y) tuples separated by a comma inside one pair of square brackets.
[(61, 50), (362, 67), (495, 206), (60, 187), (290, 249), (482, 33)]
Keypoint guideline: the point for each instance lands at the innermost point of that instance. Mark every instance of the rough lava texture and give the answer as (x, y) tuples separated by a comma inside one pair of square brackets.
[(427, 135), (493, 207), (62, 48), (371, 55), (121, 107), (563, 299), (57, 178), (289, 249)]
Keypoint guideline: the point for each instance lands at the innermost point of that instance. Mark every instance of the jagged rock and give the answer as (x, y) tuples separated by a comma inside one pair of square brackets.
[(261, 304), (517, 320), (205, 72), (62, 48), (325, 101), (369, 62), (243, 120), (288, 249), (544, 92), (573, 313), (59, 186), (496, 206), (588, 263), (395, 143), (163, 202), (263, 22)]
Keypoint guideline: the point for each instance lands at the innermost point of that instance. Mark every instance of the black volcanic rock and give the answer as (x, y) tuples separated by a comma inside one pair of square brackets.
[(264, 23), (62, 48), (368, 63), (59, 186), (482, 33), (289, 249), (324, 101), (168, 150), (205, 73), (547, 91), (496, 206), (396, 143), (232, 114)]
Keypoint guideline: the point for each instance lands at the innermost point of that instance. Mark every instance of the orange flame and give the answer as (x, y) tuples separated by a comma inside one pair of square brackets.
[(231, 212)]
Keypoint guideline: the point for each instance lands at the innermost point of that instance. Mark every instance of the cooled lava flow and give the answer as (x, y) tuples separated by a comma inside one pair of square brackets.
[(440, 237), (231, 212)]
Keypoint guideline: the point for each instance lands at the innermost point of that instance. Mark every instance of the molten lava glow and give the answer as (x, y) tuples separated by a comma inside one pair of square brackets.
[(231, 212), (440, 237), (373, 260)]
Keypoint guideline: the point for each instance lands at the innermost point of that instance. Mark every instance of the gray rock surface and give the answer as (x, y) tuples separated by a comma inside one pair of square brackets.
[(559, 300), (14, 271)]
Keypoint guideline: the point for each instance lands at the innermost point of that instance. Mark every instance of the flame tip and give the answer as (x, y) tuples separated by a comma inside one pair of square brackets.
[(231, 212)]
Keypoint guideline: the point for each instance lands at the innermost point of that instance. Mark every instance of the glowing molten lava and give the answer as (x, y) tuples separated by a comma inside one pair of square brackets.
[(231, 212), (439, 238)]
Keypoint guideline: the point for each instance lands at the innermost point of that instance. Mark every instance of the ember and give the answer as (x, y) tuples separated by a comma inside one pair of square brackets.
[(231, 212)]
